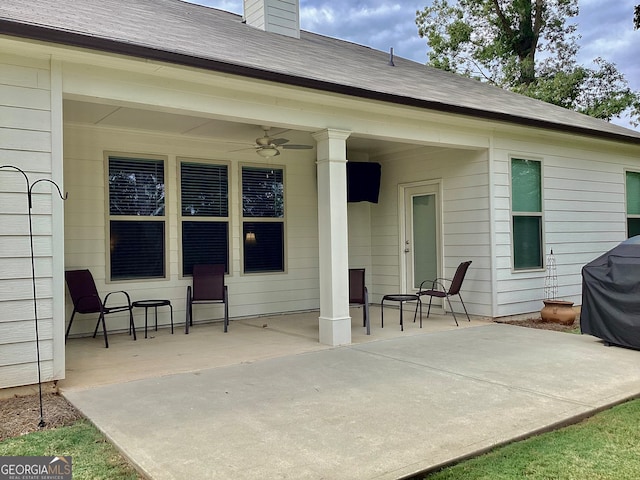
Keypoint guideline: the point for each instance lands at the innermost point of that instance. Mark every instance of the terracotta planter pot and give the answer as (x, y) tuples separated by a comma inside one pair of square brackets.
[(558, 311)]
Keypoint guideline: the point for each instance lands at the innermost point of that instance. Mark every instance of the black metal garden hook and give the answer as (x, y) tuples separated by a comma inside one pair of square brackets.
[(29, 192)]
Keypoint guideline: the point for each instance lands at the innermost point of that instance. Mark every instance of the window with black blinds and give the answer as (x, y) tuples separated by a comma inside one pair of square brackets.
[(204, 202), (204, 242), (136, 225), (137, 250), (263, 247), (262, 192), (136, 187), (263, 219), (204, 190)]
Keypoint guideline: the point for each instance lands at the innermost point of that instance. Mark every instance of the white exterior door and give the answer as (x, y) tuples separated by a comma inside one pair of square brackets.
[(421, 234)]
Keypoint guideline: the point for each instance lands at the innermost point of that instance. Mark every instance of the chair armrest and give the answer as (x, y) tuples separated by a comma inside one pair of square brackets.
[(106, 298), (435, 285)]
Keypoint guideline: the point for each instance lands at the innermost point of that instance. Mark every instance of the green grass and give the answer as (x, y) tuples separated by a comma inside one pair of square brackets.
[(93, 457), (603, 447)]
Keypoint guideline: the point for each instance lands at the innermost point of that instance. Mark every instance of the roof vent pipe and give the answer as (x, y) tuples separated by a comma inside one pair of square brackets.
[(391, 58)]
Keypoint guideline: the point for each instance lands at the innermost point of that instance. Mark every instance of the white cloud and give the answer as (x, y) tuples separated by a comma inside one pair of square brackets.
[(374, 23), (234, 6), (314, 18)]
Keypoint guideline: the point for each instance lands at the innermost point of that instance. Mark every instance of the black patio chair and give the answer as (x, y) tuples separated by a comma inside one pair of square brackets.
[(358, 294), (86, 299), (208, 287), (439, 290)]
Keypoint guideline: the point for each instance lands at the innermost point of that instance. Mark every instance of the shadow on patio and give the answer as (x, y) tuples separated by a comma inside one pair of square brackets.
[(89, 364)]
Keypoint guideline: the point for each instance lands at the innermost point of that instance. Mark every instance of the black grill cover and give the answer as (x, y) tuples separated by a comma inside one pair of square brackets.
[(611, 295)]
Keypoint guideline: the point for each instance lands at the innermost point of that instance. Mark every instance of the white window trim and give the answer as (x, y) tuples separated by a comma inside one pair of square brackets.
[(282, 219), (540, 214), (182, 218), (626, 202), (109, 217)]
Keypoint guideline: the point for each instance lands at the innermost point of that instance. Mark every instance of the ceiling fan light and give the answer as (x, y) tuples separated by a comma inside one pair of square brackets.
[(267, 152)]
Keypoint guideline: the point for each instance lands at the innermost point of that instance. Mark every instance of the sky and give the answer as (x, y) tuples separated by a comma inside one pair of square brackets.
[(606, 31)]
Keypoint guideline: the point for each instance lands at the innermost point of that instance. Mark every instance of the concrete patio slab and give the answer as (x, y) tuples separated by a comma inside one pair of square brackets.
[(384, 409), (249, 339)]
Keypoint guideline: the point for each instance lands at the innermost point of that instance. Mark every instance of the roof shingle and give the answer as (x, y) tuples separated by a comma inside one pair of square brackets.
[(181, 32)]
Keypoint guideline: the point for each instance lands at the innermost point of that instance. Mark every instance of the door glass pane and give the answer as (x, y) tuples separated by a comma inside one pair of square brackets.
[(527, 242), (526, 182), (425, 256)]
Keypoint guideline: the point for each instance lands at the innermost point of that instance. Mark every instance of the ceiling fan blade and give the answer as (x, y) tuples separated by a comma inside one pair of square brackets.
[(241, 149), (297, 147), (280, 132), (279, 141)]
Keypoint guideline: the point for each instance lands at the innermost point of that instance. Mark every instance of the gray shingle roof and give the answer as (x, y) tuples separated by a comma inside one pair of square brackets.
[(189, 34)]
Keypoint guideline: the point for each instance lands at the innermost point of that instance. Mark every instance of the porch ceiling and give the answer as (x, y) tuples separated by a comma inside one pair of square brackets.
[(233, 133)]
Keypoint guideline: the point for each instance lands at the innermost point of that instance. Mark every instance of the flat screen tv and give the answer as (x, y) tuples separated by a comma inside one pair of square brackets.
[(363, 181)]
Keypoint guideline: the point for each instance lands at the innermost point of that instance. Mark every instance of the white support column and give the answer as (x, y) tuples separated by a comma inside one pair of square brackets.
[(57, 217), (334, 321)]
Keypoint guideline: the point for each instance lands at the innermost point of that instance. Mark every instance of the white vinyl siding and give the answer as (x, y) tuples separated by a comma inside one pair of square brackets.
[(277, 16), (465, 220), (27, 111), (584, 216)]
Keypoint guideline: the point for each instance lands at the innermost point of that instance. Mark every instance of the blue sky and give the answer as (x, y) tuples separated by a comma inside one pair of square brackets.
[(606, 31)]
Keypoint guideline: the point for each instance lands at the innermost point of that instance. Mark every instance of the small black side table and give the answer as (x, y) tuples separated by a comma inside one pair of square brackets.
[(146, 304), (400, 297)]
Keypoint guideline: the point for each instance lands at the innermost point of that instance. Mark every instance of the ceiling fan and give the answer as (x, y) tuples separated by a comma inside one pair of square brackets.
[(270, 147)]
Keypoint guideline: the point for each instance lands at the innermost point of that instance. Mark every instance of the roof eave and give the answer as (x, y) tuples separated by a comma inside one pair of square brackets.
[(41, 33)]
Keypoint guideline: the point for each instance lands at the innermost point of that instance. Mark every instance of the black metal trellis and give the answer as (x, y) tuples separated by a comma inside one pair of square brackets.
[(551, 278), (29, 192)]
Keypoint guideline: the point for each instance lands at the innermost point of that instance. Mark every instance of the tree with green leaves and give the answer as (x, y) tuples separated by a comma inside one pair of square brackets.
[(636, 17), (526, 46)]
